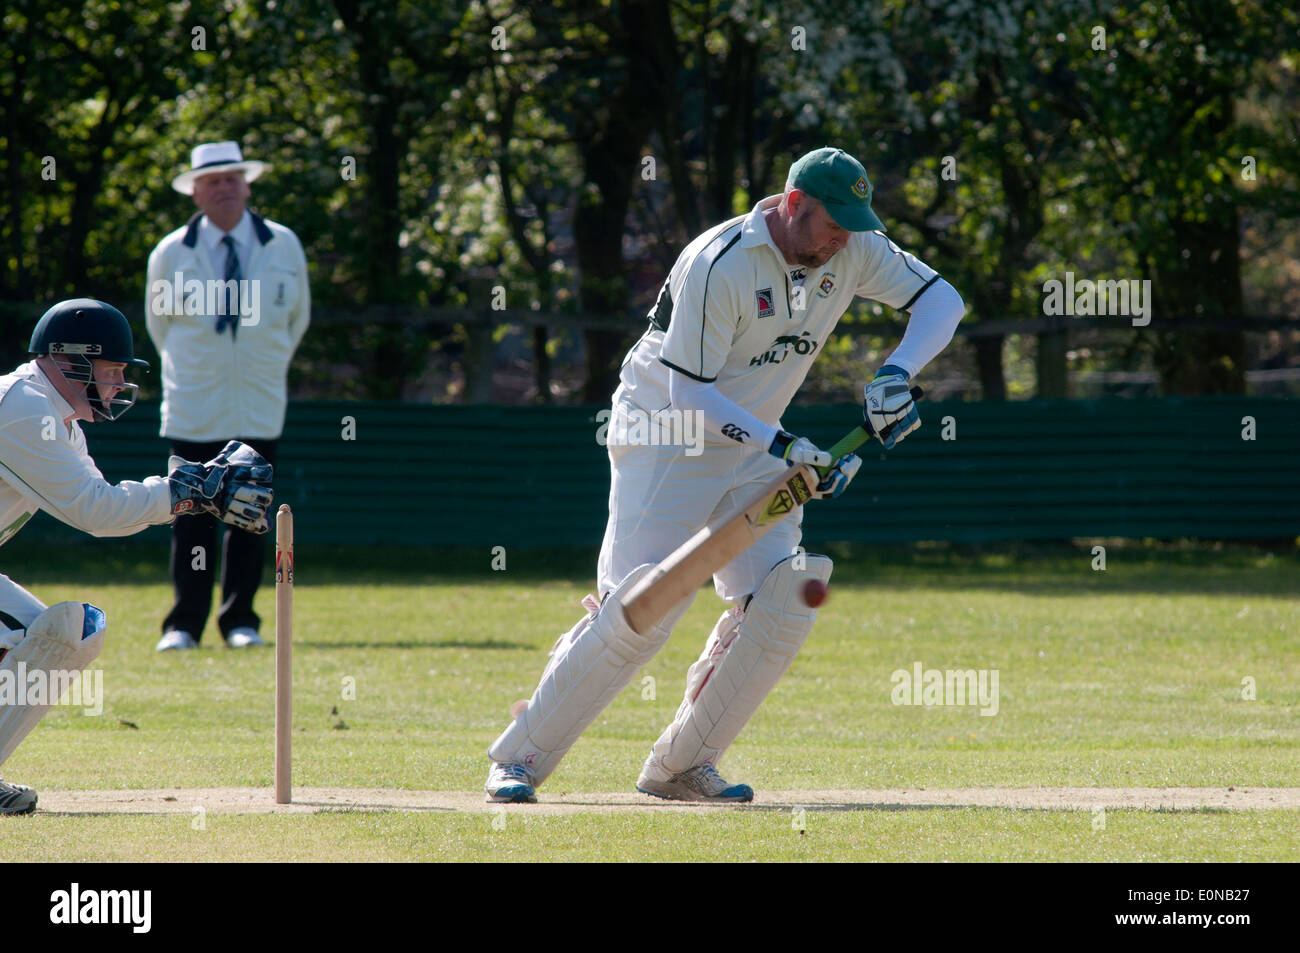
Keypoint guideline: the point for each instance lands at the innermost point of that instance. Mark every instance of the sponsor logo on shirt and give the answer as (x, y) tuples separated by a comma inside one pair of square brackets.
[(766, 305), (780, 349)]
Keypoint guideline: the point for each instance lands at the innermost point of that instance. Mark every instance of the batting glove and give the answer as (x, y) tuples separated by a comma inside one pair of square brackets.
[(888, 406), (836, 480), (234, 486), (798, 450)]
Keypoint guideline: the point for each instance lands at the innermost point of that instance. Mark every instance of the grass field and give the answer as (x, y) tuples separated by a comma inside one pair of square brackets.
[(407, 660)]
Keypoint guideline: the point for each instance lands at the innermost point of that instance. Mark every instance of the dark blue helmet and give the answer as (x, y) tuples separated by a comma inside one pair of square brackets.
[(75, 332), (85, 326)]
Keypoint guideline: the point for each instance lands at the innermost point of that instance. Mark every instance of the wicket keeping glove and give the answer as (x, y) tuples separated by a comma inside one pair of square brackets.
[(888, 406), (234, 486), (797, 450)]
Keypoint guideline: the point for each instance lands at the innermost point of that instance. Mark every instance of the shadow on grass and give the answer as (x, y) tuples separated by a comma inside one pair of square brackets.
[(408, 644), (328, 808), (323, 807), (895, 806), (1048, 568)]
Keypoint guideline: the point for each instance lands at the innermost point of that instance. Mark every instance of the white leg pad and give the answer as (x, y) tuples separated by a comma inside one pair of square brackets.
[(743, 660), (720, 639), (588, 668), (60, 642)]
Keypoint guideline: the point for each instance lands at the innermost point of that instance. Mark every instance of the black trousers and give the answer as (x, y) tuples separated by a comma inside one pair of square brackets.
[(194, 557)]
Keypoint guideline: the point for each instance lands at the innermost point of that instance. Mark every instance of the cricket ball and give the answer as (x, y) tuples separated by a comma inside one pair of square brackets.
[(814, 593)]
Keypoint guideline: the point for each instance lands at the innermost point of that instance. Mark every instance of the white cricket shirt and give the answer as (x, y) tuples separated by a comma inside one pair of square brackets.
[(44, 465), (220, 386), (729, 313)]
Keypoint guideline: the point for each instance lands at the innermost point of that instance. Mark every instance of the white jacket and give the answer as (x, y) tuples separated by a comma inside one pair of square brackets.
[(219, 386), (44, 465)]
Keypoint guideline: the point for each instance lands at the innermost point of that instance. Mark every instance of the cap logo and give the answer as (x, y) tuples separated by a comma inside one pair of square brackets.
[(860, 188), (75, 349)]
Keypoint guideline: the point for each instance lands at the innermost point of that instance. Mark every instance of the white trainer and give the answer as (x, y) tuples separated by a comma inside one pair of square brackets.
[(175, 639), (700, 783), (16, 798), (510, 783), (243, 637)]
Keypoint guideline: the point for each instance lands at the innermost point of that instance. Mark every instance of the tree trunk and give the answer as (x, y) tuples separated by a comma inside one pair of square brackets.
[(598, 234), (1202, 276), (541, 365), (1208, 281), (610, 144), (14, 280), (988, 358), (1050, 364)]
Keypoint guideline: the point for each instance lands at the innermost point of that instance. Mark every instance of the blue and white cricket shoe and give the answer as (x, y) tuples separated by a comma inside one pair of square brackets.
[(700, 783), (510, 783)]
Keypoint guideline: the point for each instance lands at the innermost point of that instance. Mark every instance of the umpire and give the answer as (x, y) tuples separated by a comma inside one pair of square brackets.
[(227, 304)]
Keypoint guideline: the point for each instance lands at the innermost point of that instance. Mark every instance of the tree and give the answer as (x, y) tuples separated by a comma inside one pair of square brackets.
[(1165, 149), (76, 93)]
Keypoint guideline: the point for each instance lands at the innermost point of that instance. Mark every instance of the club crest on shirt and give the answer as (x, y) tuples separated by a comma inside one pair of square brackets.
[(827, 285), (766, 305)]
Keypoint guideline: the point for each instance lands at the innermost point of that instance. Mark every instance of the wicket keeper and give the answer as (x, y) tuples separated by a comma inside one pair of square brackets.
[(83, 348)]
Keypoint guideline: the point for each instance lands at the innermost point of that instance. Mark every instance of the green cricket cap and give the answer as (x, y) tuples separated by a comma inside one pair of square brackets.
[(839, 182)]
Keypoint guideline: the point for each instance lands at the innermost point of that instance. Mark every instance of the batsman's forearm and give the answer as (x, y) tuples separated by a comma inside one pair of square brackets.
[(721, 416), (930, 327)]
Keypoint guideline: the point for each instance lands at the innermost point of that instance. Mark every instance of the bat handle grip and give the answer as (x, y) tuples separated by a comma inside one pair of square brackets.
[(857, 437)]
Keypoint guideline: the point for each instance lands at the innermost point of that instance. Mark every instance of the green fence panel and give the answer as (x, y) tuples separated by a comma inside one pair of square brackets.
[(383, 473)]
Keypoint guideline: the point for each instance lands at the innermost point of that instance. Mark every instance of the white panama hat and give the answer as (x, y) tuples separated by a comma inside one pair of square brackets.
[(210, 157)]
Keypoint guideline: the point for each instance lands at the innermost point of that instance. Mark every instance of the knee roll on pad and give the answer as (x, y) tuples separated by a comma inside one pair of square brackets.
[(66, 637), (594, 667), (777, 615)]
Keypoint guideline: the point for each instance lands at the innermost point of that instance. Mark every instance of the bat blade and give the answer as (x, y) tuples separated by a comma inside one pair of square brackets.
[(696, 560), (691, 565)]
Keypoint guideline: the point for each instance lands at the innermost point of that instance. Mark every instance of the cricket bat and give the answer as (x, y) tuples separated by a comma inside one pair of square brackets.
[(697, 559)]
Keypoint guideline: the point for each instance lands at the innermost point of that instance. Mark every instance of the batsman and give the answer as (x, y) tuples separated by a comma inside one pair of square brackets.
[(82, 350), (743, 314)]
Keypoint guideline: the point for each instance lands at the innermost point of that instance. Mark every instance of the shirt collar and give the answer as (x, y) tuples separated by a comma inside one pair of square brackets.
[(242, 233), (755, 232), (33, 372)]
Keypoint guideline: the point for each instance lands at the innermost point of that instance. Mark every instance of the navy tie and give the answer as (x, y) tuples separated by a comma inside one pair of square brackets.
[(233, 273)]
